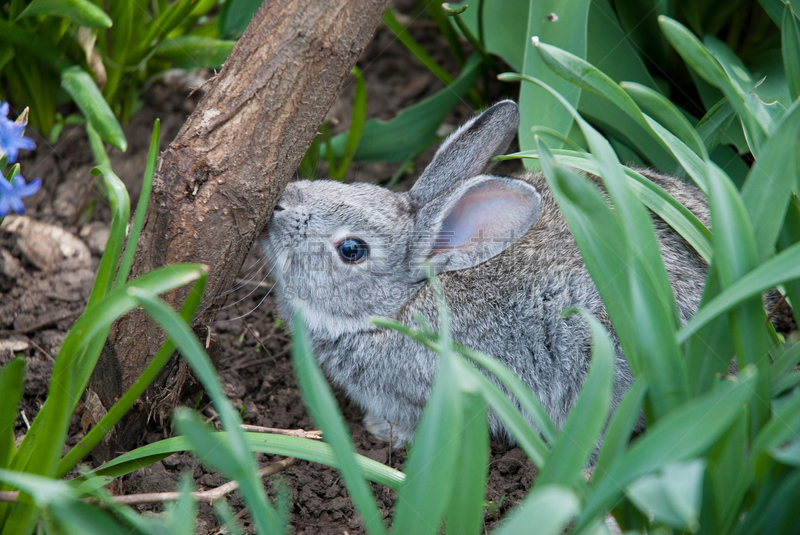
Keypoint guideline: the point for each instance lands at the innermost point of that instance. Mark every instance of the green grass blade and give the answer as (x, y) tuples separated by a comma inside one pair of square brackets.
[(124, 404), (790, 235), (768, 189), (787, 361), (620, 429), (242, 466), (465, 511), (12, 384), (536, 105), (141, 207), (302, 448), (642, 308), (735, 256), (790, 42), (783, 427), (414, 128), (43, 441), (98, 149), (667, 114), (710, 350), (120, 209), (416, 50), (511, 381), (548, 508), (661, 203), (324, 411), (64, 509), (782, 268), (577, 440), (82, 12), (431, 465), (512, 418), (684, 433), (755, 120), (80, 86), (585, 75), (725, 462)]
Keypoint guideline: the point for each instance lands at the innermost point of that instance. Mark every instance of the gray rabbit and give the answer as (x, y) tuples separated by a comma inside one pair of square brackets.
[(502, 251)]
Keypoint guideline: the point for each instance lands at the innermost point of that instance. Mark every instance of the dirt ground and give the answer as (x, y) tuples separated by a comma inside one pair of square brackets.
[(42, 292)]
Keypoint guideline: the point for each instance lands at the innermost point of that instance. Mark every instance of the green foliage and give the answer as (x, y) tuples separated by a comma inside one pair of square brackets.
[(719, 454), (52, 51)]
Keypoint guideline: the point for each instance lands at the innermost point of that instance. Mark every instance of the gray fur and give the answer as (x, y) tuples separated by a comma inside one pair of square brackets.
[(505, 295)]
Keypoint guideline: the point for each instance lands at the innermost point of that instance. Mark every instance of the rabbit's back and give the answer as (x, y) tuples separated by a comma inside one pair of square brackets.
[(511, 306)]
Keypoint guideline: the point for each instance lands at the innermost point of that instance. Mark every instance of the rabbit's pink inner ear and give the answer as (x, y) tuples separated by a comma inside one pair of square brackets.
[(484, 216)]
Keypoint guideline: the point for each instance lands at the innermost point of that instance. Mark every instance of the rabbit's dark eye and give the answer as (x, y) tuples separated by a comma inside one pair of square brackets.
[(353, 250)]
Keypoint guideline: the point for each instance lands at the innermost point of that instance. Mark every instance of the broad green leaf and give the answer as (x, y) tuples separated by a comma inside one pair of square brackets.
[(289, 446), (502, 28), (235, 15), (412, 129), (82, 12), (12, 384), (576, 442), (195, 52), (561, 23), (87, 96), (545, 511), (323, 408), (672, 497)]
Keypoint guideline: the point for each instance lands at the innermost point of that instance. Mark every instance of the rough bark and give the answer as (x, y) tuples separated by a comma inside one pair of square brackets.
[(217, 183)]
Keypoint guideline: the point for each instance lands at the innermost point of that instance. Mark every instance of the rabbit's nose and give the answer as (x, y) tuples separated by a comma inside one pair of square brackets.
[(279, 208)]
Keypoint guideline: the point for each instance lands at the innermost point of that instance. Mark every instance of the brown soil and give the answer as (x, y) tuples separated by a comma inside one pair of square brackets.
[(42, 293)]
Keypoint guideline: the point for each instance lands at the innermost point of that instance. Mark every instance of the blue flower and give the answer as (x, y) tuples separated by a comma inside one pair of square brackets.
[(11, 194), (11, 138)]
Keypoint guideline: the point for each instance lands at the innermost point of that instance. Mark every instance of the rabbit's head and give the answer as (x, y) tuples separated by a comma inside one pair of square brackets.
[(351, 251)]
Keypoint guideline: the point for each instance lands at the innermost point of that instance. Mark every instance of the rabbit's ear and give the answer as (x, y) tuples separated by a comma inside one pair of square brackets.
[(467, 151), (476, 221)]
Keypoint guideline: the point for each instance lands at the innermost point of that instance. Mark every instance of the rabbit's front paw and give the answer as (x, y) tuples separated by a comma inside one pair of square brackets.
[(388, 431)]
